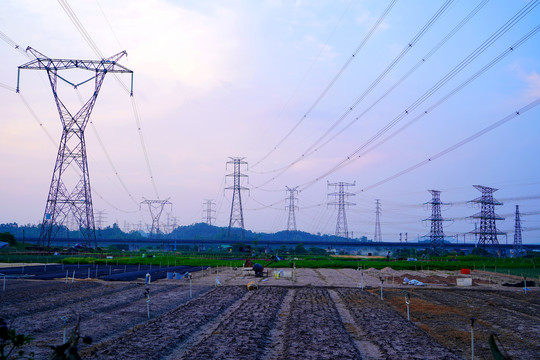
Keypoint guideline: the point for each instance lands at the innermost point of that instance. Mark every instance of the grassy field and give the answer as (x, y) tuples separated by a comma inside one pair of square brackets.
[(515, 266)]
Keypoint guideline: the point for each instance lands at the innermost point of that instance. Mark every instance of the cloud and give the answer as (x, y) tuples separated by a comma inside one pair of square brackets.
[(533, 84)]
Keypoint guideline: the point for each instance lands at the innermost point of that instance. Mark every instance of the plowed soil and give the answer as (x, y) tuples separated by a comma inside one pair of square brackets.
[(320, 315)]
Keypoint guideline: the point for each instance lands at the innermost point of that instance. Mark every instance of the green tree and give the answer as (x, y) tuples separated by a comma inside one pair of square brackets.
[(9, 238), (300, 249)]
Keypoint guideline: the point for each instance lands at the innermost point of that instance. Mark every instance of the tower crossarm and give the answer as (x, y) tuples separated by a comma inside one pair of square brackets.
[(483, 200), (481, 215), (43, 62)]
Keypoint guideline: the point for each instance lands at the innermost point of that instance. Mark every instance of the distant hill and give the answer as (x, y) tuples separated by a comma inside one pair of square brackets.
[(196, 231)]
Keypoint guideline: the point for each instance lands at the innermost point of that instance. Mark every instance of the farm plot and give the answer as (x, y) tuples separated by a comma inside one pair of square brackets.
[(395, 337), (95, 271), (512, 315), (314, 328), (278, 321), (159, 337), (105, 310)]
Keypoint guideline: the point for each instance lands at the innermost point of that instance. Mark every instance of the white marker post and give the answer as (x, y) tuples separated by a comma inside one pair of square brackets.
[(382, 281), (148, 302), (407, 301), (73, 278), (472, 338), (89, 273), (67, 276), (190, 277), (64, 320)]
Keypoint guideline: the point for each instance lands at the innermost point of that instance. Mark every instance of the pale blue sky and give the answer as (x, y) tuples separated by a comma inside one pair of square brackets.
[(231, 78)]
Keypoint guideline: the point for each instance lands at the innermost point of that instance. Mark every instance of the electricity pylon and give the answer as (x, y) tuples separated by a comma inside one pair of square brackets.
[(291, 222), (209, 211), (341, 195), (518, 245), (488, 230), (237, 214), (156, 209), (378, 235), (63, 198), (436, 234)]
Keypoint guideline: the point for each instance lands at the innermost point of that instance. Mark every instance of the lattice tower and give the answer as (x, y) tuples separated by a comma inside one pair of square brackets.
[(67, 195), (518, 245), (237, 215), (378, 235), (291, 222), (487, 234), (155, 207), (208, 211), (341, 195), (436, 234)]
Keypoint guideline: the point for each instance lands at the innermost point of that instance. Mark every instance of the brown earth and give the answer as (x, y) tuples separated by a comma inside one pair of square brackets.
[(316, 314)]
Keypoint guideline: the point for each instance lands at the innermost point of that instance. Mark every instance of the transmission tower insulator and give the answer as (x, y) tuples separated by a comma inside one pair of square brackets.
[(71, 197)]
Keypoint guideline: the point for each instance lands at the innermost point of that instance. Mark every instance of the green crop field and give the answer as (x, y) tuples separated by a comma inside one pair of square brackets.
[(515, 266)]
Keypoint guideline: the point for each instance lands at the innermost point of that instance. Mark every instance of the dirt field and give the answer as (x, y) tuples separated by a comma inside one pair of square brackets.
[(318, 314)]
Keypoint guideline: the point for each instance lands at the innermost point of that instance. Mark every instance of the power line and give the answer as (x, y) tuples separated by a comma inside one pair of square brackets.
[(314, 148), (354, 155), (457, 145), (333, 81), (86, 36), (410, 44)]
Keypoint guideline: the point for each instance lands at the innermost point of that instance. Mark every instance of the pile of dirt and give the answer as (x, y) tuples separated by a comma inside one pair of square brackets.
[(388, 269)]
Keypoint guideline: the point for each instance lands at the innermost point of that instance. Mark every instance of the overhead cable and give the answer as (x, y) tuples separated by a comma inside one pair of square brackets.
[(368, 90), (354, 155), (332, 82), (86, 36), (457, 145)]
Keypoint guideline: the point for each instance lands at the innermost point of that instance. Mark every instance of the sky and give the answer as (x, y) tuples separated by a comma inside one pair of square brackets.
[(276, 82)]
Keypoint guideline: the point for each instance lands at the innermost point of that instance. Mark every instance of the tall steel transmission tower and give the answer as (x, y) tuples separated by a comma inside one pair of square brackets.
[(436, 234), (518, 245), (72, 197), (488, 230), (155, 207), (291, 222), (342, 204), (208, 211), (100, 218), (378, 235), (237, 214)]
